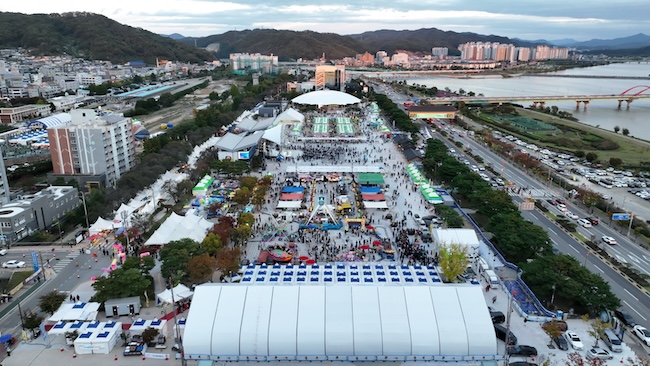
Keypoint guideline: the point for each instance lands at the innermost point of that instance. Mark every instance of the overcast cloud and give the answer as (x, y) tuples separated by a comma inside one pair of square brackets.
[(528, 19)]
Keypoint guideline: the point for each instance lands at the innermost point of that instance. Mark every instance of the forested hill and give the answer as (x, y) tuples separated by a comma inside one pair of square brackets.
[(91, 36)]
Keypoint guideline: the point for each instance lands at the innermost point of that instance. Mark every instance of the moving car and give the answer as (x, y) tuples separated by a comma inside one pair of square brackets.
[(609, 240), (522, 350), (626, 318), (600, 353), (561, 343), (594, 221), (571, 215), (13, 264), (501, 332), (3, 251), (573, 340), (642, 333), (584, 223)]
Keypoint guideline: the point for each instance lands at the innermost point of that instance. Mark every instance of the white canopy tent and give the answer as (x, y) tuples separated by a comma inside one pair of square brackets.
[(343, 323), (290, 115), (100, 225), (178, 227), (326, 97), (274, 134), (180, 292), (292, 205), (375, 204), (81, 311)]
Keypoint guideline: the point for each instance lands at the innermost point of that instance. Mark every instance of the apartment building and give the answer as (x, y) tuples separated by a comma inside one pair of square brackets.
[(247, 63), (94, 149), (24, 113), (330, 77)]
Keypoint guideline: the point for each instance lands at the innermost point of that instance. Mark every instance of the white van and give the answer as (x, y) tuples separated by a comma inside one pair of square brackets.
[(480, 266), (491, 278)]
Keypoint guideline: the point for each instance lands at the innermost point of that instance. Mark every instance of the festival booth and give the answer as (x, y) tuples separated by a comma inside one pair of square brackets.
[(81, 311), (180, 292), (416, 175), (430, 194), (141, 325), (98, 338), (202, 187), (101, 225), (178, 227)]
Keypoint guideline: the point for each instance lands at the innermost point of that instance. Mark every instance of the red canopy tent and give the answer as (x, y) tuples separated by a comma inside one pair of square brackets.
[(365, 247), (291, 197), (303, 258), (310, 261), (373, 197)]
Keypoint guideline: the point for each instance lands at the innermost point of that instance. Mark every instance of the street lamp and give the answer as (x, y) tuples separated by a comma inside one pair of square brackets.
[(83, 199), (553, 295)]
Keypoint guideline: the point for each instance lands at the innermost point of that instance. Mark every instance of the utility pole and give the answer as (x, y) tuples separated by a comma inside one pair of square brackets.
[(40, 255), (83, 199), (178, 338)]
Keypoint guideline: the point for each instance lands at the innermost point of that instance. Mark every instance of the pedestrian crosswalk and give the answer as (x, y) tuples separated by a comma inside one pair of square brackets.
[(533, 192), (58, 265)]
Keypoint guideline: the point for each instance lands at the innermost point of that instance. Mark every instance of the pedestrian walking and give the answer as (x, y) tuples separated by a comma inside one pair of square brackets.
[(79, 298), (494, 299)]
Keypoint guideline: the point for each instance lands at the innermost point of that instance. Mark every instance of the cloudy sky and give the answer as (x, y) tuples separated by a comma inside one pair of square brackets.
[(527, 19)]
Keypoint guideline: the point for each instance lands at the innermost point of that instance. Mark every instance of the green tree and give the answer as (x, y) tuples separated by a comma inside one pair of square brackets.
[(176, 256), (213, 95), (212, 243), (143, 264), (626, 132), (453, 260), (149, 335), (597, 328), (615, 162), (240, 234), (246, 219), (591, 157), (120, 283), (579, 154), (248, 182), (616, 129), (242, 196), (32, 320), (137, 79), (202, 267), (51, 301)]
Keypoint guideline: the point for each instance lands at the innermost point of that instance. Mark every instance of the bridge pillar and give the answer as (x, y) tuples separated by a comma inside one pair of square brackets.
[(629, 101), (586, 102), (578, 105), (620, 102)]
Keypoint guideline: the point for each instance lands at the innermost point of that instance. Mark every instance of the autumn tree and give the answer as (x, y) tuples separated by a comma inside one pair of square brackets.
[(176, 256), (212, 243), (228, 260), (248, 182), (246, 219), (201, 268), (553, 329), (597, 328), (453, 260), (242, 196), (223, 228), (143, 264)]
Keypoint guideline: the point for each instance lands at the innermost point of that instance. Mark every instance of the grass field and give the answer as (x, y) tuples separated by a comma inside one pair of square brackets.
[(574, 136)]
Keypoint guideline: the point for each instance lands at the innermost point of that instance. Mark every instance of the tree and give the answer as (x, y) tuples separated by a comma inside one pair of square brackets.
[(32, 320), (553, 329), (120, 283), (626, 132), (223, 228), (615, 162), (202, 267), (579, 154), (240, 234), (616, 129), (248, 182), (591, 157), (597, 328), (50, 302), (242, 196), (228, 260), (143, 264), (176, 256), (453, 260), (149, 335), (212, 243), (246, 219)]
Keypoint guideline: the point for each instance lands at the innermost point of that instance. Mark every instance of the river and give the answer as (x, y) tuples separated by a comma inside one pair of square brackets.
[(600, 113)]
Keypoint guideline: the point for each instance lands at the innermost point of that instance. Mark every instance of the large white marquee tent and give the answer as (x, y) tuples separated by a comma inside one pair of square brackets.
[(343, 322), (326, 97), (178, 227)]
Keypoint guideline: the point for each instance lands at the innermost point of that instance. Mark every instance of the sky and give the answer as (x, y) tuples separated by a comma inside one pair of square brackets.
[(524, 19)]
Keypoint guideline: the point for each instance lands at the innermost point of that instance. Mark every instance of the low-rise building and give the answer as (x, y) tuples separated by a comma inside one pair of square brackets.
[(24, 113)]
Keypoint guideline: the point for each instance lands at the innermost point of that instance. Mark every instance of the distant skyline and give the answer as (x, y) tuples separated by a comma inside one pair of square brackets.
[(530, 19)]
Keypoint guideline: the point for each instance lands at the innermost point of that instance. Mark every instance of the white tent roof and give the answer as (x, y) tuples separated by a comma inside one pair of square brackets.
[(289, 116), (234, 142), (289, 204), (274, 134), (178, 227), (250, 124), (123, 208), (326, 97), (100, 225), (463, 237), (375, 204), (180, 292), (236, 322), (82, 311)]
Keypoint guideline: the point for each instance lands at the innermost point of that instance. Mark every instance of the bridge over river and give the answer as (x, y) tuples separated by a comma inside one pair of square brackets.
[(628, 96)]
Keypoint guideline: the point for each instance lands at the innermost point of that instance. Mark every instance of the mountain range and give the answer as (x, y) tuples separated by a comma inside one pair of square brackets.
[(97, 37)]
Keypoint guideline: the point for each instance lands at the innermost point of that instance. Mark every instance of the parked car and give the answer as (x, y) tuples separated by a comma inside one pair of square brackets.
[(642, 333), (501, 332), (562, 325), (573, 339), (584, 223), (626, 318), (600, 353), (608, 240), (522, 350), (561, 343), (13, 264)]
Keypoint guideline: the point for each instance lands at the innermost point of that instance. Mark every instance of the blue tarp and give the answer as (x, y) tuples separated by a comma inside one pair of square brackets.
[(370, 189), (290, 189)]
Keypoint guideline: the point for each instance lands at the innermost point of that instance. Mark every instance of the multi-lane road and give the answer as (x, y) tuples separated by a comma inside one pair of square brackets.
[(633, 299)]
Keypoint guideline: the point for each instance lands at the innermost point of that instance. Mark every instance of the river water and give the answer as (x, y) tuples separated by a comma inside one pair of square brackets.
[(601, 113)]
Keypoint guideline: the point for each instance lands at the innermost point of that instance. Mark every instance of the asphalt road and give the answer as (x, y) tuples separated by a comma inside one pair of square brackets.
[(63, 263)]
